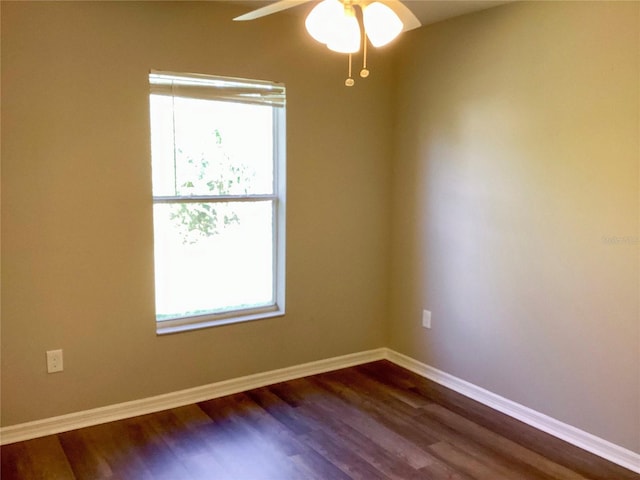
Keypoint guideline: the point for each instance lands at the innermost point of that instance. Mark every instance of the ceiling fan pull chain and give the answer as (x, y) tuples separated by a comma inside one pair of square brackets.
[(364, 73), (349, 81)]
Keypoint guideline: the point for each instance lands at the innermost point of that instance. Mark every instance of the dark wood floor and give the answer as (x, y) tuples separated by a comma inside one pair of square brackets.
[(375, 421)]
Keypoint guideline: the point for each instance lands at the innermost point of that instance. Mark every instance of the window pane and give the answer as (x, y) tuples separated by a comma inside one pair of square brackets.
[(221, 148), (213, 257)]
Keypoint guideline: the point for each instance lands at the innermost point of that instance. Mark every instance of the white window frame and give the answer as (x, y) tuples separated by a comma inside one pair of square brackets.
[(239, 91)]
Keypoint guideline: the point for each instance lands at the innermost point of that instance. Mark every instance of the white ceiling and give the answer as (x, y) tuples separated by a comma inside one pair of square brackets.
[(431, 11), (427, 11)]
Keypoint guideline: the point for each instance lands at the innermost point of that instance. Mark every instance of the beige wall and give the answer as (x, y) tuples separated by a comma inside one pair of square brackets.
[(77, 264), (517, 153)]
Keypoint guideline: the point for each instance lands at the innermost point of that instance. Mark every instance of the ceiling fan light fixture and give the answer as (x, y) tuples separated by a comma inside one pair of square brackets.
[(334, 24), (346, 34), (321, 20), (381, 24)]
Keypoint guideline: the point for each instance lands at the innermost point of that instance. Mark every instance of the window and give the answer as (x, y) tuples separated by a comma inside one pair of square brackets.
[(218, 164)]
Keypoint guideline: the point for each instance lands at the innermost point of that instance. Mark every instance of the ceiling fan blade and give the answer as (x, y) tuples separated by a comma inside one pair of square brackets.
[(271, 8), (409, 20)]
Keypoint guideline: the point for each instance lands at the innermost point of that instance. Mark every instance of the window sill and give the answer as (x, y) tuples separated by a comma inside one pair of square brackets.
[(187, 324)]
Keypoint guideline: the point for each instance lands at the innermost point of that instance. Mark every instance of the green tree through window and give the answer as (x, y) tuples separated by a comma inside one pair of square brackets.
[(217, 174)]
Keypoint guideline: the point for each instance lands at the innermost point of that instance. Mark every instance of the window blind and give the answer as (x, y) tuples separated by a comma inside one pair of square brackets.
[(189, 85)]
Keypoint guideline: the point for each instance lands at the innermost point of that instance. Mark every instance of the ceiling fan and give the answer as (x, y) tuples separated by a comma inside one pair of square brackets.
[(343, 25)]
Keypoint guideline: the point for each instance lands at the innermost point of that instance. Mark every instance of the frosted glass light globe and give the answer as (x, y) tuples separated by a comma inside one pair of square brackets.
[(321, 21), (346, 35), (381, 24)]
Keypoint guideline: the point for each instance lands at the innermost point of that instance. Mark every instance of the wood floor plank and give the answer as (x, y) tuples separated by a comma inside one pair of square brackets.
[(336, 424), (157, 456), (269, 451), (389, 425), (404, 417), (313, 464), (442, 471), (500, 461), (311, 470), (403, 421), (357, 414), (390, 462), (271, 432), (84, 455), (40, 458), (467, 464), (112, 452), (498, 443), (12, 456), (238, 455), (333, 449), (393, 458), (178, 429), (280, 410), (373, 421), (584, 463), (378, 389), (204, 466)]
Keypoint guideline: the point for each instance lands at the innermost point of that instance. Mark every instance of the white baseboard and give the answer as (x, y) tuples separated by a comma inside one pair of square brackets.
[(63, 423), (579, 438), (110, 413)]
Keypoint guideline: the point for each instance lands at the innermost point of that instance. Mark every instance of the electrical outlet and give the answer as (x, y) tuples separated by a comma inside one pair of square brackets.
[(426, 319), (54, 361)]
